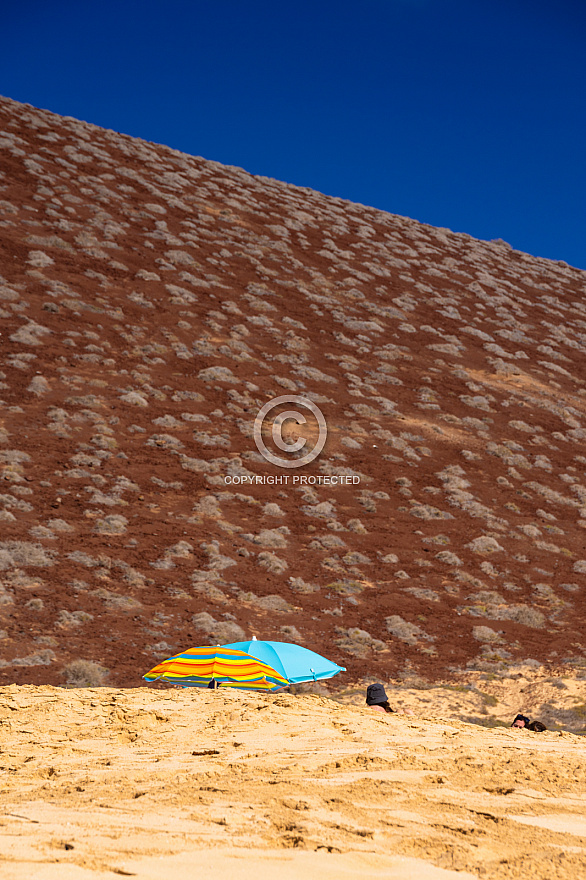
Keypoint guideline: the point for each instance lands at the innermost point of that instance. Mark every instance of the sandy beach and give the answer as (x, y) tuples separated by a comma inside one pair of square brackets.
[(189, 783)]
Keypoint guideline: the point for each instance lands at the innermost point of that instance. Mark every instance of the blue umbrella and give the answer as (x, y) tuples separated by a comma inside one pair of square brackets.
[(293, 662)]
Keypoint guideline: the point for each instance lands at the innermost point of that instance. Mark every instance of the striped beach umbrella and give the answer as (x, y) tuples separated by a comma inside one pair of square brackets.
[(217, 666)]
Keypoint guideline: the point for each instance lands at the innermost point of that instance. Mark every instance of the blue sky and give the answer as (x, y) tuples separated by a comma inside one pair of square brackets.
[(466, 115)]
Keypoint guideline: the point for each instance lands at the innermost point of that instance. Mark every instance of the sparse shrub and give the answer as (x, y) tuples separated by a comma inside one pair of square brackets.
[(111, 525), (217, 374), (485, 634), (272, 509), (84, 673), (221, 441), (298, 585), (448, 557), (427, 512), (355, 558), (41, 658), (273, 603), (71, 619), (39, 386), (421, 593), (292, 633), (39, 259), (180, 550), (407, 632), (116, 601), (134, 399), (484, 545), (59, 525), (13, 553), (355, 525), (358, 641), (272, 563), (165, 441), (274, 538), (218, 632)]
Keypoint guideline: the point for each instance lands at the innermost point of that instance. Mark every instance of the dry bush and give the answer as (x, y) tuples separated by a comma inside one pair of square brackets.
[(42, 658), (274, 538), (205, 583), (84, 673), (218, 632), (271, 562), (13, 553), (116, 601), (485, 634), (427, 512), (71, 619), (448, 557), (180, 550), (272, 509), (272, 602), (39, 386), (292, 633), (358, 642), (422, 593), (111, 525), (323, 510), (298, 585), (217, 374), (354, 525), (484, 545), (406, 632), (59, 525), (345, 587), (39, 259), (219, 441), (134, 399)]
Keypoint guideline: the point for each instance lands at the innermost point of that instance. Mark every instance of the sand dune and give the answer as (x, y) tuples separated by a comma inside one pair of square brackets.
[(180, 784)]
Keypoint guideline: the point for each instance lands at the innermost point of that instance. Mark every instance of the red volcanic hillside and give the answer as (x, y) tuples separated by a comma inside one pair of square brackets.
[(152, 302)]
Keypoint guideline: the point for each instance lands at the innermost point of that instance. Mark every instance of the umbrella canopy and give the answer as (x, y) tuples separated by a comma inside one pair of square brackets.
[(226, 667), (293, 662)]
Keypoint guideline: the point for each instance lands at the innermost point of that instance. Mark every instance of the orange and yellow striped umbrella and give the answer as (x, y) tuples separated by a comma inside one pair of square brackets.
[(197, 667)]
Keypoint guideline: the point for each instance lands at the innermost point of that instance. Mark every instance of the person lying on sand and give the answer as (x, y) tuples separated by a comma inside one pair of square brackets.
[(523, 721), (376, 698)]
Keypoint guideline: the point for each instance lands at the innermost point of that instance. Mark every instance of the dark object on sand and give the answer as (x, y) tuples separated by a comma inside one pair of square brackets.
[(376, 696), (536, 727)]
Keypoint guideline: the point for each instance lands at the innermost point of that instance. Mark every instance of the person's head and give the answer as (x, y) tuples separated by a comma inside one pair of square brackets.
[(536, 727), (521, 721), (375, 694)]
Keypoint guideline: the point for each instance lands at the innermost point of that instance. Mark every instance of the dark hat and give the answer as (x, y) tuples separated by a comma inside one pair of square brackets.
[(375, 693), (522, 718)]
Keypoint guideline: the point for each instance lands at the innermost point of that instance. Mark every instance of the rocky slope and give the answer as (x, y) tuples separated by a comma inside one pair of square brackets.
[(152, 302)]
